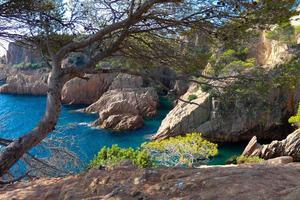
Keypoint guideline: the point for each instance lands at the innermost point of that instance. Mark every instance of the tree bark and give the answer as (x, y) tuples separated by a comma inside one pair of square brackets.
[(15, 150)]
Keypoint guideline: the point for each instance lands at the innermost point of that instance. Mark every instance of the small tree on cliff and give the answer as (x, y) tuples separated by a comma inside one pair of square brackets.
[(144, 32)]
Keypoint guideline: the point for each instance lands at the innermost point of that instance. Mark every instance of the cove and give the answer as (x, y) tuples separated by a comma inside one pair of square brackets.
[(20, 113)]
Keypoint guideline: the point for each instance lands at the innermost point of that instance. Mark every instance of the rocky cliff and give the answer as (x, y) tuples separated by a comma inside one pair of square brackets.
[(225, 119), (24, 81), (238, 121), (251, 182), (80, 91), (19, 53)]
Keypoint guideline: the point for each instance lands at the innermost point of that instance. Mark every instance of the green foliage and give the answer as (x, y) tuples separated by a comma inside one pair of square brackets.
[(284, 33), (249, 160), (115, 154), (188, 150), (192, 97), (295, 119), (230, 60), (26, 65)]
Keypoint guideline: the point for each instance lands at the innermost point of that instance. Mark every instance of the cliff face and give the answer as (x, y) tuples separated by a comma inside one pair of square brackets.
[(128, 183), (79, 91), (24, 81), (17, 54), (242, 119), (268, 52), (241, 122)]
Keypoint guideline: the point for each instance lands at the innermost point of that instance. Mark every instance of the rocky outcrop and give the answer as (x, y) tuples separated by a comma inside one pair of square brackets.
[(287, 147), (239, 121), (125, 104), (186, 116), (25, 82), (128, 183), (268, 52), (80, 91), (232, 118), (19, 53)]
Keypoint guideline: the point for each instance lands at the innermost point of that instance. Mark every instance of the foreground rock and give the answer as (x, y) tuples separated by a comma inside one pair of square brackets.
[(257, 182), (288, 147), (125, 104)]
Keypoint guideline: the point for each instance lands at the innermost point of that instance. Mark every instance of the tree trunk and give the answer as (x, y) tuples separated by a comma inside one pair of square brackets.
[(15, 150)]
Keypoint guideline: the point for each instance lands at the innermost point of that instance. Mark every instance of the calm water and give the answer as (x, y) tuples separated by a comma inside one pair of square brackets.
[(20, 113)]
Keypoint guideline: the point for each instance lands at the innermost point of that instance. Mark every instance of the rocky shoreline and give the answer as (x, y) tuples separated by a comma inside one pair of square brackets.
[(122, 100)]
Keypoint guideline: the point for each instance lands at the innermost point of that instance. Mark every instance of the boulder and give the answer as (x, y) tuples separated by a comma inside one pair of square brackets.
[(121, 122), (123, 109), (287, 147)]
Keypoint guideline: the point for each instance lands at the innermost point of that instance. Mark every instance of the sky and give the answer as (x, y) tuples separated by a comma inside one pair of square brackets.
[(3, 47)]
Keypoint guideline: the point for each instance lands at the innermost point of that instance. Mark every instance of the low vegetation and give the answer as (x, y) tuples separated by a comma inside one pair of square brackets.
[(295, 119), (184, 151), (249, 160), (192, 97), (110, 156), (28, 65)]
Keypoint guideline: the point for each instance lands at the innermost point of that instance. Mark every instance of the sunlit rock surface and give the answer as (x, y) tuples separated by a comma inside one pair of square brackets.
[(257, 182)]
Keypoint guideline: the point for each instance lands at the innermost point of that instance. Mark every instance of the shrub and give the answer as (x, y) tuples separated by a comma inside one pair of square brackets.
[(190, 150), (115, 154), (295, 119), (192, 97), (27, 65), (249, 160)]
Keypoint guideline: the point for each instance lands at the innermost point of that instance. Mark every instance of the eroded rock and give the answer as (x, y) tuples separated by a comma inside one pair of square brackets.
[(287, 147), (124, 109), (34, 83), (80, 91)]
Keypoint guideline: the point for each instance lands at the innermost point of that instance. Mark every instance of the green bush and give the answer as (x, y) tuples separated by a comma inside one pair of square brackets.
[(190, 150), (249, 160), (192, 97), (185, 151), (110, 156), (295, 119), (27, 65)]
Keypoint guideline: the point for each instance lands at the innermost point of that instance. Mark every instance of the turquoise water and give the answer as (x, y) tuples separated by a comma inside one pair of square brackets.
[(20, 113)]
